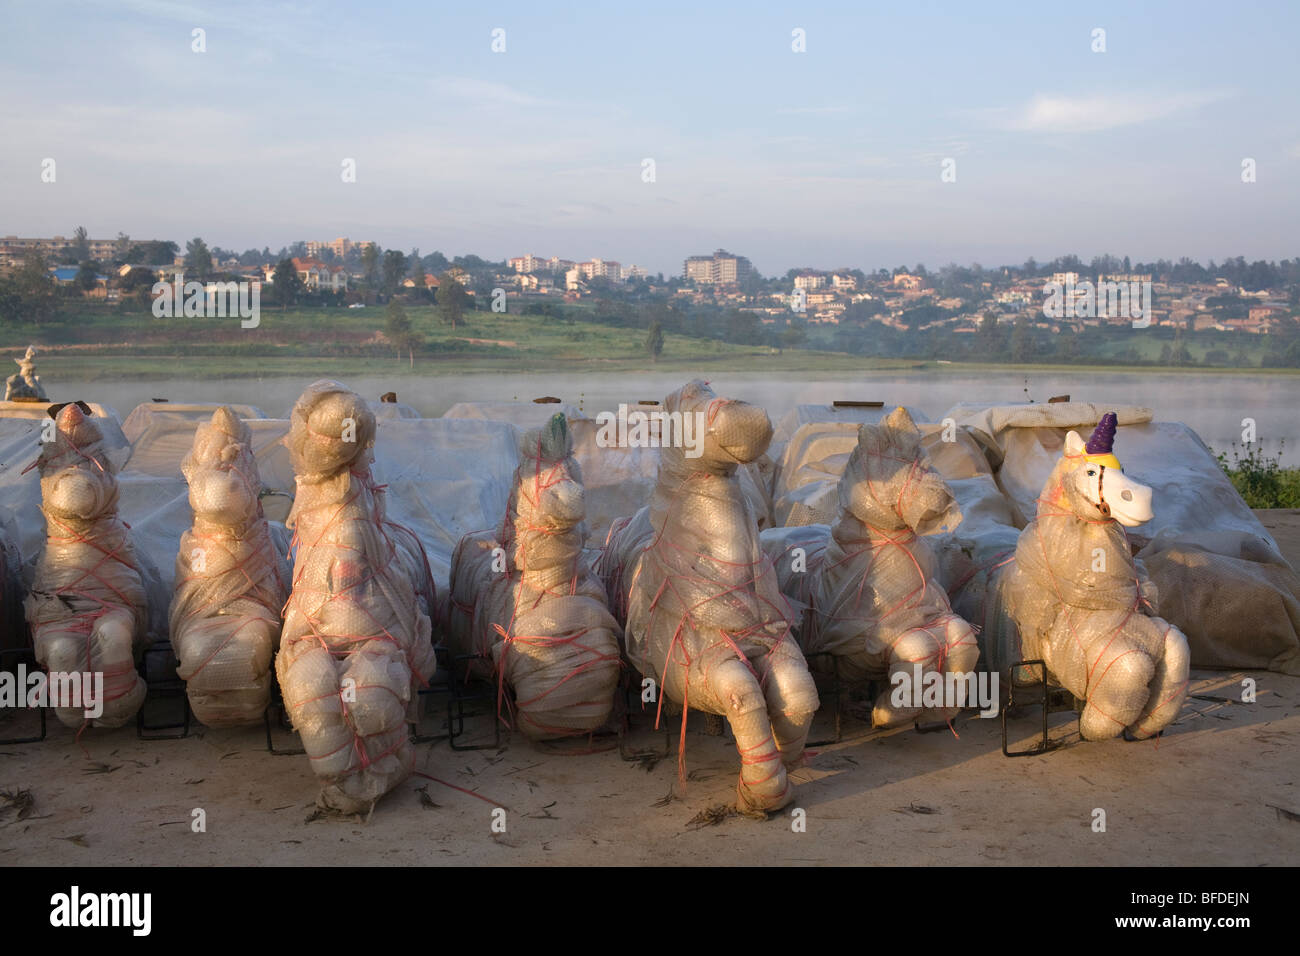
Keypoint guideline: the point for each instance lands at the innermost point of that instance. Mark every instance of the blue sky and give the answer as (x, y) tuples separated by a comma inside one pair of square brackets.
[(827, 158)]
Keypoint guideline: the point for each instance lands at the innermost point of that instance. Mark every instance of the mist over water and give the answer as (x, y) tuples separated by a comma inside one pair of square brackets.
[(1212, 404)]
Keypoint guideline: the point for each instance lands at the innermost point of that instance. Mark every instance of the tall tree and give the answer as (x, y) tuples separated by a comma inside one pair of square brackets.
[(81, 244), (35, 288), (198, 259), (370, 268), (654, 341), (122, 248), (451, 300), (1022, 341), (397, 329), (285, 283), (86, 276), (394, 270)]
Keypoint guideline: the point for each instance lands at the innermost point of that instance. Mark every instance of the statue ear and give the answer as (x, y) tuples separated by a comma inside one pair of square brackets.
[(1074, 445)]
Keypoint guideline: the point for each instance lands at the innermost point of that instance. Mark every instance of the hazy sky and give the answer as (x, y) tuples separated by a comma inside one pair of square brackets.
[(829, 157)]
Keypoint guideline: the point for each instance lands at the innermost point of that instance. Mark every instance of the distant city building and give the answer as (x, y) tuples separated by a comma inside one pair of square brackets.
[(809, 281), (844, 282), (317, 276), (340, 247), (601, 269), (905, 280), (721, 268), (528, 263), (430, 281), (13, 247), (1123, 277)]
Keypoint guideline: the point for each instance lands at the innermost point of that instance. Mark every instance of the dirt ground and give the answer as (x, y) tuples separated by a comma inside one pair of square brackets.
[(1219, 788)]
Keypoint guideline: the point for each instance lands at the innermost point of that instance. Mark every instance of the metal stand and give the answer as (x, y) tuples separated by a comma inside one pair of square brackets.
[(281, 720), (166, 688), (425, 697), (631, 692), (462, 697), (17, 655), (1049, 699), (839, 691)]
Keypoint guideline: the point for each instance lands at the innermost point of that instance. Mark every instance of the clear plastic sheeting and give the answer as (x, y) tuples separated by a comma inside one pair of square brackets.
[(867, 583), (356, 646), (991, 425), (621, 478), (445, 479), (1075, 598), (814, 444), (161, 415), (41, 410), (526, 598), (1221, 577), (231, 580), (87, 607), (705, 618), (520, 414), (844, 414), (389, 411), (13, 632)]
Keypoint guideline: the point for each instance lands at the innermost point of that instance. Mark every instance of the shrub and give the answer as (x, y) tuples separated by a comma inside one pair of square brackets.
[(1260, 478)]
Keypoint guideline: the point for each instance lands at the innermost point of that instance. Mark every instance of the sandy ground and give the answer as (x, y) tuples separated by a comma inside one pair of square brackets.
[(1218, 788)]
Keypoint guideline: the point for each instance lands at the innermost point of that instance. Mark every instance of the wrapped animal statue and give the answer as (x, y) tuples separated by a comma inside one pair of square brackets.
[(87, 608), (230, 581), (356, 641), (705, 617), (1081, 603), (867, 583), (527, 599)]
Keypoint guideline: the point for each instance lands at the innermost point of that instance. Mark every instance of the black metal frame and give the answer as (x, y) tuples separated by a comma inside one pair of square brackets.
[(425, 697), (839, 691), (166, 689), (282, 719), (461, 696), (1049, 700), (19, 654), (632, 692)]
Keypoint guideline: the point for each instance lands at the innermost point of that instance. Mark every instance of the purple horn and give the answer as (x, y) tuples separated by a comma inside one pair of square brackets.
[(1103, 436)]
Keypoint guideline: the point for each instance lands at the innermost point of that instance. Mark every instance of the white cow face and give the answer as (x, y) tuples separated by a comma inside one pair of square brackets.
[(1110, 492)]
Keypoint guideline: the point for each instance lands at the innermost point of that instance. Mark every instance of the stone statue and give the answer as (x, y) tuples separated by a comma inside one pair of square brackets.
[(25, 385)]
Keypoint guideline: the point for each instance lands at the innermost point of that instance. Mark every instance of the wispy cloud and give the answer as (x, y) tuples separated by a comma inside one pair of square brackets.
[(1051, 113), (478, 92), (812, 110)]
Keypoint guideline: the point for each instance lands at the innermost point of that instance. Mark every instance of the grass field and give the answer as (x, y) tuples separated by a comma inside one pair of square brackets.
[(98, 343)]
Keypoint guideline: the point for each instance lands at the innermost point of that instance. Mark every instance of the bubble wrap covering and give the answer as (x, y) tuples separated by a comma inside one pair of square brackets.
[(1077, 599), (230, 581), (704, 615), (87, 607), (527, 598), (867, 583), (356, 640)]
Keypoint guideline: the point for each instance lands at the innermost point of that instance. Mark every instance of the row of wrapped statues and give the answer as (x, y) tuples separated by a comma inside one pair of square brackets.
[(686, 596)]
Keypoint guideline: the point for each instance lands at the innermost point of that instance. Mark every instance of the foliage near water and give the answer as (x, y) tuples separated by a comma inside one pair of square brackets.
[(1260, 478)]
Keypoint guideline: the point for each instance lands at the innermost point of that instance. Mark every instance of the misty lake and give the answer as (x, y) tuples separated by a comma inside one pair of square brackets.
[(1213, 404)]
